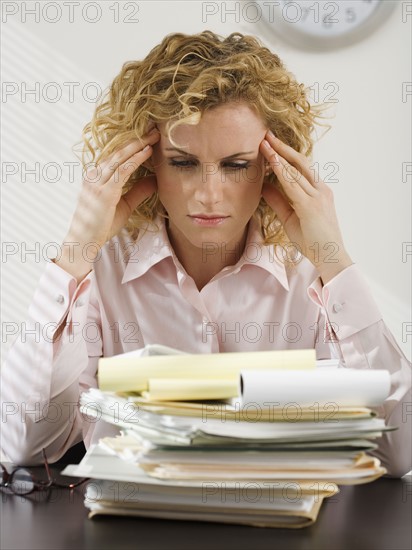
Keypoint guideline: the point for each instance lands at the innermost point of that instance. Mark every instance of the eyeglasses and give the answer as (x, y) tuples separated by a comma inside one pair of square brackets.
[(22, 482)]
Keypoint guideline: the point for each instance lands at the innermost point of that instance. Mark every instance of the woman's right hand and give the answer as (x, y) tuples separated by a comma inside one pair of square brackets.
[(102, 210)]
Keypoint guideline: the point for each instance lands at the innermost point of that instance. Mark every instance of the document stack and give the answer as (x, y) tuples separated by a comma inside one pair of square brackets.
[(255, 438)]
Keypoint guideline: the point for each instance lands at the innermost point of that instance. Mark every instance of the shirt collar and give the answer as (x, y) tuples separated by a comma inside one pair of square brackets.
[(151, 248), (266, 257), (154, 246)]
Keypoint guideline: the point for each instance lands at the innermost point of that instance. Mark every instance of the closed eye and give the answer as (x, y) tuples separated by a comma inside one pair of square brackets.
[(187, 164)]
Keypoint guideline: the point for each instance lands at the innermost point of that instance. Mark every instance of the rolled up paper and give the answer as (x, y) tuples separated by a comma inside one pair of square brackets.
[(340, 386)]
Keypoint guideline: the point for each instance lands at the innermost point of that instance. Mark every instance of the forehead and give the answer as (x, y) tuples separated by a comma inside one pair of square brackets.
[(221, 129)]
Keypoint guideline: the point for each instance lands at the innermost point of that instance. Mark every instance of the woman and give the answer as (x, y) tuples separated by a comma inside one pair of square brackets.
[(199, 229)]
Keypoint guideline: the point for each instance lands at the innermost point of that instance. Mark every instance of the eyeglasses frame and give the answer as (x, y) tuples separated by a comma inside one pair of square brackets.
[(38, 485)]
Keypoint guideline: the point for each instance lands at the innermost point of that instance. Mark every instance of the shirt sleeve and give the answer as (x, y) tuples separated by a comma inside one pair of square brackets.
[(41, 379), (357, 334)]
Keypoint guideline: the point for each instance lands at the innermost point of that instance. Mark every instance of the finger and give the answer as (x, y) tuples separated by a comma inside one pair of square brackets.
[(293, 181), (126, 154), (296, 159), (150, 136), (143, 189), (101, 172), (126, 169)]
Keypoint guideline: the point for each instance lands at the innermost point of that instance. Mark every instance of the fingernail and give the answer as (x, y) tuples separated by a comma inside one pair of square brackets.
[(266, 143), (271, 134)]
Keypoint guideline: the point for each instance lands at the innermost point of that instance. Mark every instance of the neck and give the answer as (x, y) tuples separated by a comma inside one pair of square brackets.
[(202, 264)]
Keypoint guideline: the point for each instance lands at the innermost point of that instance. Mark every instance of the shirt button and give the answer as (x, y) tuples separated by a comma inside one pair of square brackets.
[(337, 307), (60, 299), (79, 303)]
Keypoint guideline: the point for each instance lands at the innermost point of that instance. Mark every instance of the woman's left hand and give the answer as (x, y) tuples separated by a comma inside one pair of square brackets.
[(309, 219)]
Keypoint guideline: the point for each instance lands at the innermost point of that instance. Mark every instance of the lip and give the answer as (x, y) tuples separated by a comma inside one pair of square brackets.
[(208, 219)]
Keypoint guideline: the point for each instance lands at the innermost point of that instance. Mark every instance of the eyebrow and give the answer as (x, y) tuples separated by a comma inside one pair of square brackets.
[(194, 156)]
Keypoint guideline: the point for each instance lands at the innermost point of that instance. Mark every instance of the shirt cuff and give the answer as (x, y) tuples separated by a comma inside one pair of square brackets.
[(55, 294), (347, 301)]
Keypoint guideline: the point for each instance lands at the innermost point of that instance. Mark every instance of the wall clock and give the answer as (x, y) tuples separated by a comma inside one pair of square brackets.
[(323, 24)]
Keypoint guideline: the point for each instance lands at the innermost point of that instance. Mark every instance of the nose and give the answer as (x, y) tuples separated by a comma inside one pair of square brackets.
[(210, 188)]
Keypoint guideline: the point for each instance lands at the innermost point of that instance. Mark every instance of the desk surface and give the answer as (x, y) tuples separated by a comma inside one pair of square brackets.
[(375, 516)]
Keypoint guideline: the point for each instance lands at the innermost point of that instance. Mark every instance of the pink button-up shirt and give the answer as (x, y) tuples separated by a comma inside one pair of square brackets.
[(139, 293)]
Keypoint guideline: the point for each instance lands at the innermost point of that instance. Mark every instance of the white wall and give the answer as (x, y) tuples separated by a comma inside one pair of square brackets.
[(369, 141)]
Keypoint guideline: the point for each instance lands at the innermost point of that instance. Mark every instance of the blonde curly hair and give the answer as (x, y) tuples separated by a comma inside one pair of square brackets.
[(181, 78)]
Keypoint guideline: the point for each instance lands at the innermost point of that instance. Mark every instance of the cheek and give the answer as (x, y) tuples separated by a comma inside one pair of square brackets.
[(252, 198), (170, 180), (171, 188), (165, 190), (252, 194), (253, 181)]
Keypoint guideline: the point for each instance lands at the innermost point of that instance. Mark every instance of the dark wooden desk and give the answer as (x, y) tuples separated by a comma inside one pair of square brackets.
[(376, 516)]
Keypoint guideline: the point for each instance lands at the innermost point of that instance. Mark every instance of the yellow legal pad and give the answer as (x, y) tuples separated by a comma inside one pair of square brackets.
[(132, 374)]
